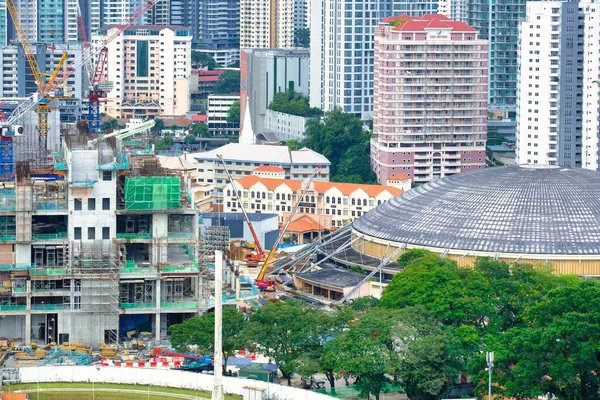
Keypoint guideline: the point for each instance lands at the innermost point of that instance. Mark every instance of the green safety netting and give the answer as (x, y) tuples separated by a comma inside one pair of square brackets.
[(152, 193)]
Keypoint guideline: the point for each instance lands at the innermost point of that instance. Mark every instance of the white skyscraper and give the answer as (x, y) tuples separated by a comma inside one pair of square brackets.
[(266, 24), (557, 96), (341, 50), (591, 87)]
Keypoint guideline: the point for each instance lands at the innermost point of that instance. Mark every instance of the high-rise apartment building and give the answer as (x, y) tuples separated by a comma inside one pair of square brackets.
[(341, 51), (4, 16), (430, 93), (267, 24), (57, 21), (591, 87), (28, 13), (216, 24), (150, 67), (550, 85), (503, 36), (457, 10)]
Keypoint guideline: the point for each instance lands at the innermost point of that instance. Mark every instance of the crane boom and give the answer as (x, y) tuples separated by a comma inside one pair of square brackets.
[(263, 270), (118, 29), (259, 249)]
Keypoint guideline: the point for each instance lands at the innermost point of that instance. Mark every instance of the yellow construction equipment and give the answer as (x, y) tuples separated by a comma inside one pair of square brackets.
[(47, 90)]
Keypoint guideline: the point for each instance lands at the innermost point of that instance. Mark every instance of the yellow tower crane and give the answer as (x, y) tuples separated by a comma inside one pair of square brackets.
[(47, 90)]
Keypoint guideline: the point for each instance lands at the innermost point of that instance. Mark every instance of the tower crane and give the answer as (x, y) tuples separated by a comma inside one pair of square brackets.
[(47, 91), (38, 98)]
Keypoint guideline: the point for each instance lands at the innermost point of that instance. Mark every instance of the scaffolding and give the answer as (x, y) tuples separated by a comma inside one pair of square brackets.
[(7, 159), (152, 193)]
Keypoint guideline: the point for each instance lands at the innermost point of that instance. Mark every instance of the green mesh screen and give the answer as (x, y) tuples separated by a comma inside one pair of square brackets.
[(152, 193)]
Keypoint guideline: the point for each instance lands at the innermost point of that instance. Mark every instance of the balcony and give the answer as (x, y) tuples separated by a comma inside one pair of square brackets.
[(50, 307), (179, 304), (129, 306)]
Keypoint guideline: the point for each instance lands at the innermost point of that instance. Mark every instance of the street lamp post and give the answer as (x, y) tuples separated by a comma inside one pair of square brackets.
[(489, 358)]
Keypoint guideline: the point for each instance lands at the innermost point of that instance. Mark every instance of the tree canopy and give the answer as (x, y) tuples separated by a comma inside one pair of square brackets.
[(233, 115), (341, 138), (203, 60), (302, 37), (200, 332), (229, 82), (293, 103)]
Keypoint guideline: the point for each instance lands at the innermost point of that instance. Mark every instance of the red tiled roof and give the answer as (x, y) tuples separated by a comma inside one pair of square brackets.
[(199, 118), (304, 223), (269, 168), (398, 177), (176, 121), (427, 22), (320, 186)]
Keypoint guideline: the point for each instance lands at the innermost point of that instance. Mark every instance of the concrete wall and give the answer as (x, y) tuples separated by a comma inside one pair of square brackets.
[(78, 325), (286, 126), (161, 377), (12, 326)]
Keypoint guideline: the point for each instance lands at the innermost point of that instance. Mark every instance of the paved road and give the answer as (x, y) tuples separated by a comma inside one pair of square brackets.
[(165, 394)]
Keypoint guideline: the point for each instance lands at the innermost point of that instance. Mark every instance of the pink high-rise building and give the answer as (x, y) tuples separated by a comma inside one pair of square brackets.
[(430, 98)]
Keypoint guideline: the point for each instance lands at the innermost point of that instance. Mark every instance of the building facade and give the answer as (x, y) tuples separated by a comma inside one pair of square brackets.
[(590, 151), (286, 126), (215, 24), (269, 23), (430, 108), (550, 92), (150, 67), (263, 73), (331, 204), (243, 159), (341, 51), (217, 113)]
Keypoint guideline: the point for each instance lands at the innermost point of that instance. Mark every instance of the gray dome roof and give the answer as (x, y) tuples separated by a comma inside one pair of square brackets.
[(523, 210)]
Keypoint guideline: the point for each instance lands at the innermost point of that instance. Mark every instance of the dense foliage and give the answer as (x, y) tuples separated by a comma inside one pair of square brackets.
[(233, 115), (435, 322), (302, 37), (203, 60), (229, 82), (342, 139), (293, 103)]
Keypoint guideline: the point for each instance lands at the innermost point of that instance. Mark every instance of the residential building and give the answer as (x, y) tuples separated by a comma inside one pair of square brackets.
[(4, 17), (263, 73), (113, 12), (400, 181), (430, 108), (217, 113), (330, 204), (341, 51), (9, 84), (57, 21), (243, 159), (28, 12), (160, 14), (150, 67), (216, 25), (91, 15), (267, 24), (203, 81), (498, 22), (550, 85), (301, 17), (591, 87), (224, 57), (457, 10)]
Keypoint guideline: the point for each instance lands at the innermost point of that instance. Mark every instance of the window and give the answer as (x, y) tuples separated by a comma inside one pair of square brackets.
[(91, 204), (107, 175), (77, 204), (106, 203), (106, 232), (77, 234), (91, 233)]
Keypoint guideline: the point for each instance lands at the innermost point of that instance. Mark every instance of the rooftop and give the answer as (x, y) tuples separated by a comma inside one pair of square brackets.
[(426, 22), (267, 154), (149, 27), (514, 209), (333, 277), (303, 224), (269, 168), (398, 177), (319, 186)]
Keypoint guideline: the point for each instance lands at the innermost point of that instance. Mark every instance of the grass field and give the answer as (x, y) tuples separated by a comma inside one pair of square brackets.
[(83, 391)]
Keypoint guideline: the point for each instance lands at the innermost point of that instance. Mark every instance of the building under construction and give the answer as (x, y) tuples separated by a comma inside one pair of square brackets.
[(102, 243)]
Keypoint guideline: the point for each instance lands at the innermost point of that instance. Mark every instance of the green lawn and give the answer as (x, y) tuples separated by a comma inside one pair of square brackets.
[(106, 395)]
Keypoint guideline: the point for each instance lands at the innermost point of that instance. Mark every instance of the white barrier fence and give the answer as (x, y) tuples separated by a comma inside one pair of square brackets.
[(162, 377)]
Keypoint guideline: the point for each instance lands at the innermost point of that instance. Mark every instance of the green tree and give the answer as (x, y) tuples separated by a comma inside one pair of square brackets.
[(293, 144), (159, 144), (233, 115), (189, 139), (229, 82), (159, 125), (293, 103), (200, 130), (286, 332), (200, 332), (169, 141), (109, 125), (203, 60), (302, 37), (341, 138), (557, 351)]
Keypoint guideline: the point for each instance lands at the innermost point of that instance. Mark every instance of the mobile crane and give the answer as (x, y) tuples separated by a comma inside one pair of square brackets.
[(267, 284), (254, 257)]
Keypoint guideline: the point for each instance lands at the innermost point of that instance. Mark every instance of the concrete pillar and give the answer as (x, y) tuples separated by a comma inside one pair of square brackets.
[(217, 393), (158, 293), (28, 328), (157, 318)]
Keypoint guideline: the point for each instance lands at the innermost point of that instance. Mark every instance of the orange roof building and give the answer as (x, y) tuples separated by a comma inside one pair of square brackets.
[(333, 204)]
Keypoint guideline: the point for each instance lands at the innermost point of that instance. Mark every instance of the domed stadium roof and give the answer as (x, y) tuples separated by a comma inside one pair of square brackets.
[(516, 209)]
